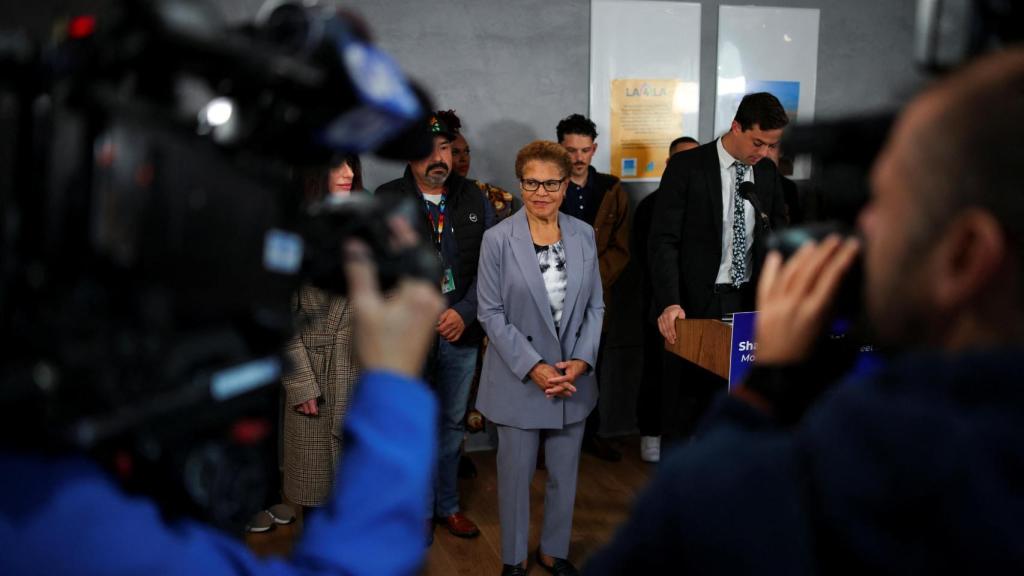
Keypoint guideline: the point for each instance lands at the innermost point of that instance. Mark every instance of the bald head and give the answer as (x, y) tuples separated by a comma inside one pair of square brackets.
[(961, 138), (944, 230)]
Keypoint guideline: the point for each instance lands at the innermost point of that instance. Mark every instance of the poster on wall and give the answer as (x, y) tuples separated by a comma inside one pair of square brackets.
[(646, 116), (775, 50), (644, 83)]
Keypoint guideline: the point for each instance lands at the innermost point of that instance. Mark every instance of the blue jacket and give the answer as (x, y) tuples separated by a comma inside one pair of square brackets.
[(67, 516), (918, 470)]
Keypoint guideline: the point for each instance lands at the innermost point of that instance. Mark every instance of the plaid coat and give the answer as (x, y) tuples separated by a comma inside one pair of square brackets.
[(323, 366)]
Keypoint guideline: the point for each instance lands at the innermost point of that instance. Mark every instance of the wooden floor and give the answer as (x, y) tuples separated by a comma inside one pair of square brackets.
[(604, 494)]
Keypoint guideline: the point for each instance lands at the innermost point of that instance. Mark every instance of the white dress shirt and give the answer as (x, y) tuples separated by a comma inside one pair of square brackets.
[(728, 175)]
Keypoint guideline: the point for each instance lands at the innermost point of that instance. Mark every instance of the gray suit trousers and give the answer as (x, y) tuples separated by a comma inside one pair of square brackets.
[(517, 462)]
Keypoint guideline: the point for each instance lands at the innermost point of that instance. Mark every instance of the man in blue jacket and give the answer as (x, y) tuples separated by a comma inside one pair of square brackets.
[(918, 469), (65, 515)]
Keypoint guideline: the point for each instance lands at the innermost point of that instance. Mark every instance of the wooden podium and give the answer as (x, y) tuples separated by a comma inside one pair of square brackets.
[(706, 343)]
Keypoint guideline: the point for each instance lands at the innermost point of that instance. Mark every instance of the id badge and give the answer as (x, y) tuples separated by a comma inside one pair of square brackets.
[(447, 281)]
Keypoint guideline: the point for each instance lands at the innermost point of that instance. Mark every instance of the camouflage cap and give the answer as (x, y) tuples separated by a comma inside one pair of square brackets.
[(438, 127)]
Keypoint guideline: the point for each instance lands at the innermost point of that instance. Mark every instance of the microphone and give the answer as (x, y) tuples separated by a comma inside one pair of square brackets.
[(746, 191)]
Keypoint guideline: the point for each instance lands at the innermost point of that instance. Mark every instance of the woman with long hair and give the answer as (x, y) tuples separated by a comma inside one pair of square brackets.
[(324, 366)]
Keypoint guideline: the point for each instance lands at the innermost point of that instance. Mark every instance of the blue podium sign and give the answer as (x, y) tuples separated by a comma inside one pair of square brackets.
[(742, 348)]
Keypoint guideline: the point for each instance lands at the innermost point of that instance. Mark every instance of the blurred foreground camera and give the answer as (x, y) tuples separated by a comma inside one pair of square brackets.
[(152, 231), (848, 307)]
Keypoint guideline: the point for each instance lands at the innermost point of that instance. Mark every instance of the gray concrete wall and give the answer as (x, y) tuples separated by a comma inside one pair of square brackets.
[(513, 68)]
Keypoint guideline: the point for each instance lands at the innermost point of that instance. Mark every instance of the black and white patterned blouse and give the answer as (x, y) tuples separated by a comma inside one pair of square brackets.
[(552, 267)]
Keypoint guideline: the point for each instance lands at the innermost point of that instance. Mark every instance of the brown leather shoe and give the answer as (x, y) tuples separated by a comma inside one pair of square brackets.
[(459, 525)]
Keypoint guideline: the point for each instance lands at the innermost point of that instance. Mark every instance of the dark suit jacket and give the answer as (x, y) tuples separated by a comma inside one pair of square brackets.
[(794, 207), (686, 232)]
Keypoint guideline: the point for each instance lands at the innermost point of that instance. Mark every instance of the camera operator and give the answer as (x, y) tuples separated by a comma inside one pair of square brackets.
[(919, 468), (64, 514)]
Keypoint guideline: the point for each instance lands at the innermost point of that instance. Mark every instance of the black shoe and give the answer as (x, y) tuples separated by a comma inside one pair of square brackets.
[(599, 447), (466, 467), (560, 567), (512, 570)]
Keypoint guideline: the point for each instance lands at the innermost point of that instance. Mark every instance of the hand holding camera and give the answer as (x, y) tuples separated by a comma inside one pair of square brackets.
[(795, 298)]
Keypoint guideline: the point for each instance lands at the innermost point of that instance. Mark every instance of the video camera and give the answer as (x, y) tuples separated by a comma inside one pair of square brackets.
[(948, 33), (153, 232)]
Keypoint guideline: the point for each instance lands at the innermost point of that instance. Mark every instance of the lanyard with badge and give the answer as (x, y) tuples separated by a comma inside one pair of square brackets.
[(448, 279)]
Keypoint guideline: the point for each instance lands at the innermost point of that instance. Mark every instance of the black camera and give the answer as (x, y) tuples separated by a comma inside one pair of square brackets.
[(153, 231), (948, 33), (848, 301)]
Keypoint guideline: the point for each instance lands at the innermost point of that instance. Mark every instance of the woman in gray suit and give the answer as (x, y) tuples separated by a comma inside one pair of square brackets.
[(539, 293)]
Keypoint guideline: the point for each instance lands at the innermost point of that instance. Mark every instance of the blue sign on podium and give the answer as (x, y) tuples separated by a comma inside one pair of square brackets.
[(743, 347)]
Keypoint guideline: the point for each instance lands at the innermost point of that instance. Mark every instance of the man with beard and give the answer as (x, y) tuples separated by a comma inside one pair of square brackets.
[(455, 216), (504, 204), (918, 468)]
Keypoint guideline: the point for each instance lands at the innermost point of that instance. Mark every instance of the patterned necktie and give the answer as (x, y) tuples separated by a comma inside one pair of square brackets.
[(739, 229)]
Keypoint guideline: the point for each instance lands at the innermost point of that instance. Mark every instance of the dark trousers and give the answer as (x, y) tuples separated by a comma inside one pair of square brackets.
[(649, 402), (686, 395)]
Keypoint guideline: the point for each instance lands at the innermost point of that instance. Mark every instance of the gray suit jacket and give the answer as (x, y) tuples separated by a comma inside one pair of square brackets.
[(514, 310)]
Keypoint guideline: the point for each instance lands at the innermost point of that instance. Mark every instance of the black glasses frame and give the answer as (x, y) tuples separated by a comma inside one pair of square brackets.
[(531, 185)]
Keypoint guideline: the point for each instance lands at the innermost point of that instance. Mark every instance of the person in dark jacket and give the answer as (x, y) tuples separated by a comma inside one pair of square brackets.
[(454, 216), (795, 213), (706, 243), (504, 204), (654, 402), (919, 468)]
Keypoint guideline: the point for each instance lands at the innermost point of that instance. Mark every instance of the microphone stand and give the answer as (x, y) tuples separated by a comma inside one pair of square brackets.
[(746, 191)]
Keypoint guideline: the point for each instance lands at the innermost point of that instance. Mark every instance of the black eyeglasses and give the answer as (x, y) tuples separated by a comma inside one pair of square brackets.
[(531, 185)]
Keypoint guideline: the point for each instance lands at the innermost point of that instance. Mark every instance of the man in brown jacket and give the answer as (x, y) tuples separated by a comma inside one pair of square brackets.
[(599, 200)]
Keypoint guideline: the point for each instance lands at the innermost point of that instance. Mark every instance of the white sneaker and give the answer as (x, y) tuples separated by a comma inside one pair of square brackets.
[(650, 448), (282, 513), (262, 521)]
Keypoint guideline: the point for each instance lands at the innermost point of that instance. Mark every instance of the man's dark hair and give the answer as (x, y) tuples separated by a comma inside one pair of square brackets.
[(682, 140), (576, 124), (451, 120), (763, 109)]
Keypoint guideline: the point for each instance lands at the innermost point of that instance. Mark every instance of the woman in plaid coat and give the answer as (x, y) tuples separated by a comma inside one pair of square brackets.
[(323, 370)]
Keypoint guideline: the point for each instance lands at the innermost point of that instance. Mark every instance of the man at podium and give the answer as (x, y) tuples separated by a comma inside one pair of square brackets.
[(706, 241)]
